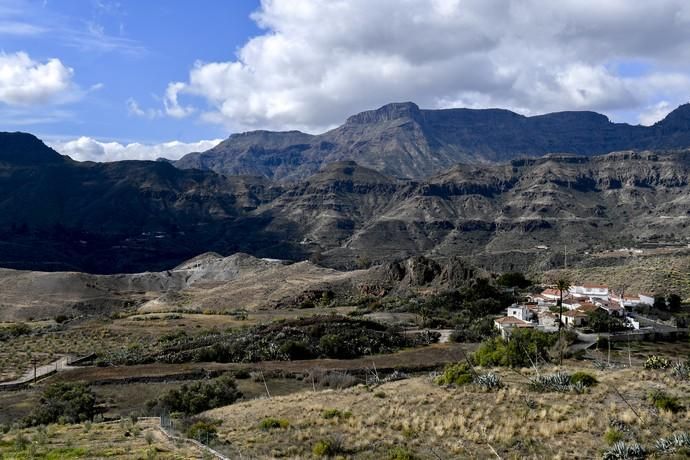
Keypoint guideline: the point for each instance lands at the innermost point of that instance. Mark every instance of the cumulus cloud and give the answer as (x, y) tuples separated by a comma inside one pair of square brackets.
[(318, 61), (655, 113), (25, 82), (89, 149)]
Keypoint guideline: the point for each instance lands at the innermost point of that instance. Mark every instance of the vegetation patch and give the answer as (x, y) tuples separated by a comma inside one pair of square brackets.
[(657, 362), (271, 423), (203, 430), (456, 374), (328, 336), (665, 402), (198, 396), (328, 447), (612, 436), (64, 403), (336, 413), (524, 348), (625, 451), (583, 378)]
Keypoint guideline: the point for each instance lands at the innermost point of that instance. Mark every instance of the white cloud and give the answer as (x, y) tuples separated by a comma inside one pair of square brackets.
[(89, 149), (25, 82), (21, 29), (172, 106), (655, 113), (134, 109), (319, 61)]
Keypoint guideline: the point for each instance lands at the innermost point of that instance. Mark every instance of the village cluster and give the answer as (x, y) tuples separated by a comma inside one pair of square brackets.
[(579, 302)]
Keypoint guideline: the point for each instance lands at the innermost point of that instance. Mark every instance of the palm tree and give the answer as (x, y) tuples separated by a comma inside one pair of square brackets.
[(562, 285)]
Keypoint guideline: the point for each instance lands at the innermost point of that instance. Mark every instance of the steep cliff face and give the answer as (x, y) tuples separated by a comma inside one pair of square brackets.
[(401, 140)]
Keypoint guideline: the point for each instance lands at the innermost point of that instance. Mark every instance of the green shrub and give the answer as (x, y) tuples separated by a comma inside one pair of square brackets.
[(456, 374), (379, 394), (335, 413), (203, 430), (270, 423), (328, 447), (657, 362), (613, 436), (69, 402), (665, 402), (524, 346), (584, 378), (198, 396), (400, 453)]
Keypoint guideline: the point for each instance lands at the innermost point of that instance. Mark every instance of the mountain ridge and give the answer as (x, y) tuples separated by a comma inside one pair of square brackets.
[(142, 215), (401, 140)]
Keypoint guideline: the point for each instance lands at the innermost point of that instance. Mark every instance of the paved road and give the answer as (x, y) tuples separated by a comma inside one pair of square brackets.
[(59, 365), (584, 341)]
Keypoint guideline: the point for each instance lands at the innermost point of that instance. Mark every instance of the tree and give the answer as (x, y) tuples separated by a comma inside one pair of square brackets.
[(600, 321), (674, 302), (524, 348), (659, 302), (71, 402), (513, 279), (198, 396), (562, 285)]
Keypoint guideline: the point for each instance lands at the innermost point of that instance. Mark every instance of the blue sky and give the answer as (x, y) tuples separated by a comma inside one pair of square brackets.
[(114, 79), (127, 50)]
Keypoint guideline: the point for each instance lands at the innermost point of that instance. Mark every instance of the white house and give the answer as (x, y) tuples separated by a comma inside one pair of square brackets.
[(574, 318), (626, 300), (552, 294), (520, 312), (647, 299), (508, 323), (597, 291)]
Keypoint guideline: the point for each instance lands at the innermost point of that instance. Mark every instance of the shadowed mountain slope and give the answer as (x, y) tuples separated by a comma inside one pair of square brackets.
[(130, 216)]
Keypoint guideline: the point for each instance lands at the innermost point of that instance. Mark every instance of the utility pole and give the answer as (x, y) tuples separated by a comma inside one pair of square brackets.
[(34, 361), (565, 256)]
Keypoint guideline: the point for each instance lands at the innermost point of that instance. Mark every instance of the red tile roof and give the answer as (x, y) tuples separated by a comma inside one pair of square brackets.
[(512, 321)]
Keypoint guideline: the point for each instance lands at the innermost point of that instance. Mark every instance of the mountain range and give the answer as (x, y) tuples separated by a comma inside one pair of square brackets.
[(403, 141), (132, 216)]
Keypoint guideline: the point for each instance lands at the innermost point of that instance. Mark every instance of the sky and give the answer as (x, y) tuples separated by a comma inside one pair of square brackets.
[(107, 80)]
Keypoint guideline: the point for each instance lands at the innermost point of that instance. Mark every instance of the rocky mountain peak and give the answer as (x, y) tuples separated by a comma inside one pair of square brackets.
[(393, 111), (678, 119)]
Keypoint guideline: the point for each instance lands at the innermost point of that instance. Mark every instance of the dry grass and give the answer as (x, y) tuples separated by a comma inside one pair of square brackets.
[(457, 423), (99, 440)]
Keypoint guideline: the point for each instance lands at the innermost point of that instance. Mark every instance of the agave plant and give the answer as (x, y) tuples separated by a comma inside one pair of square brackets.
[(554, 382), (489, 381), (625, 451), (673, 442), (680, 370)]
